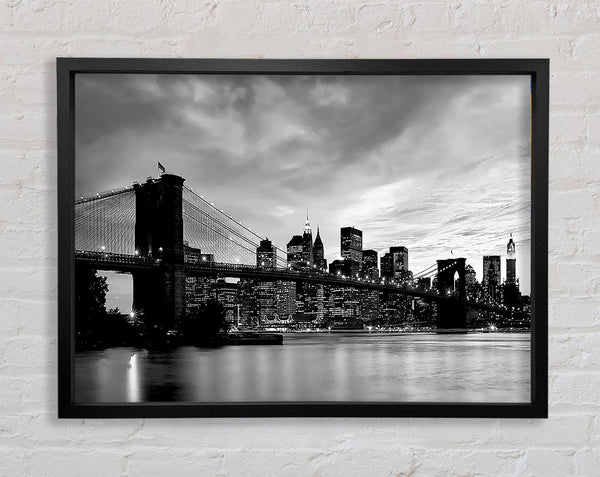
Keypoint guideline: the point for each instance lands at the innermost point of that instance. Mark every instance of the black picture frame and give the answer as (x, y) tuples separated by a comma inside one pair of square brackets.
[(67, 68)]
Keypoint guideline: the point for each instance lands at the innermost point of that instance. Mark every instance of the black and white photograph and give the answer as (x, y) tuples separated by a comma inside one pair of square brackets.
[(265, 238)]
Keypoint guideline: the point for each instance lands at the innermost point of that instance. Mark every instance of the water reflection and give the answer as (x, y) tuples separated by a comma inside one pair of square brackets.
[(133, 383), (314, 367)]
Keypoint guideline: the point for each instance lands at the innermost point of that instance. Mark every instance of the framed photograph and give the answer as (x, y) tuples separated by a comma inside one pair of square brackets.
[(302, 237)]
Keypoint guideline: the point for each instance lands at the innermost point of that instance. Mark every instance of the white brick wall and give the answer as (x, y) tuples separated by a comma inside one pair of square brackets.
[(34, 442)]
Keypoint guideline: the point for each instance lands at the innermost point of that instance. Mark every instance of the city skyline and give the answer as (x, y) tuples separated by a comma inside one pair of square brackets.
[(503, 255), (431, 163), (121, 297)]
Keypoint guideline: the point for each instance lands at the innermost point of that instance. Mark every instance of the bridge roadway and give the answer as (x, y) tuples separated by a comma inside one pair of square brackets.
[(131, 263)]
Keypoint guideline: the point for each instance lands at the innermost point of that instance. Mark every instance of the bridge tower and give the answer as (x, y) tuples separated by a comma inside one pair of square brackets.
[(159, 295), (451, 313)]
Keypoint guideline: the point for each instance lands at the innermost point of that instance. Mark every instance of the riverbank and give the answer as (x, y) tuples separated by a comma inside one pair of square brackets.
[(239, 339), (276, 337), (229, 339)]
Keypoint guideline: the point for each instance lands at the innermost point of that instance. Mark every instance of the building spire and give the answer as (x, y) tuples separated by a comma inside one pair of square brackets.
[(307, 229), (318, 241), (510, 248)]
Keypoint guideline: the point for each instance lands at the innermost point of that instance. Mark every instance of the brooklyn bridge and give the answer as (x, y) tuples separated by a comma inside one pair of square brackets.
[(148, 229)]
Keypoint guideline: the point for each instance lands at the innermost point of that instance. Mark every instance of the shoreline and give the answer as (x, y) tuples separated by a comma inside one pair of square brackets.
[(396, 332), (254, 338)]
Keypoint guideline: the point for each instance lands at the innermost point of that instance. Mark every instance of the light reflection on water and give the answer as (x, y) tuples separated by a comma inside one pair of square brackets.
[(315, 367)]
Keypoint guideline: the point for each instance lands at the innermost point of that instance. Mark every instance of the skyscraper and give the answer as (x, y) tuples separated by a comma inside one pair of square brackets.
[(285, 298), (511, 262), (471, 285), (511, 295), (265, 291), (387, 269), (491, 277), (227, 295), (300, 247), (295, 249), (198, 290), (266, 255), (369, 264), (351, 247), (308, 297), (307, 243), (472, 293), (266, 300), (399, 262), (319, 253)]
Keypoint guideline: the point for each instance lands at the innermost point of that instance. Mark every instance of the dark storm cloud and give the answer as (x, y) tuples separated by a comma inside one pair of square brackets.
[(419, 161)]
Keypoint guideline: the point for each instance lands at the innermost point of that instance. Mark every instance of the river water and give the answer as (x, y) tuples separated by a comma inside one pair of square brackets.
[(316, 367)]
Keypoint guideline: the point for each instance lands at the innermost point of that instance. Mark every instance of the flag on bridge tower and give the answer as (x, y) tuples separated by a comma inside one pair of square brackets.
[(161, 168)]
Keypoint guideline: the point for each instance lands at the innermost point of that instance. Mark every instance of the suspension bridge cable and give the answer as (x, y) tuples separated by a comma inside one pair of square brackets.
[(102, 195), (106, 223), (228, 238), (425, 270), (229, 228), (221, 213), (215, 242)]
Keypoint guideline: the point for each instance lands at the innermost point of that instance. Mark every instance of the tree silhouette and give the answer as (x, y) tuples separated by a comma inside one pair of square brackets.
[(94, 325), (205, 322), (90, 301)]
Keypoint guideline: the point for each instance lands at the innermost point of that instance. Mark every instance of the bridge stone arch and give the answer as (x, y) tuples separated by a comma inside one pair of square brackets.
[(451, 313)]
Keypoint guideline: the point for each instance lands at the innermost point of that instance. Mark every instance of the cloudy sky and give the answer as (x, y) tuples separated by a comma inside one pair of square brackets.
[(434, 163)]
